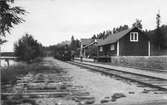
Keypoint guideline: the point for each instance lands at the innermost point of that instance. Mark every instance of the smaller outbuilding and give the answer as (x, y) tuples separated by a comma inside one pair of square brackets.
[(130, 42), (85, 44)]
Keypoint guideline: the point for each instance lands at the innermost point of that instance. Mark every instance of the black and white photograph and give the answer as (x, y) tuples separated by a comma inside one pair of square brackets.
[(83, 52)]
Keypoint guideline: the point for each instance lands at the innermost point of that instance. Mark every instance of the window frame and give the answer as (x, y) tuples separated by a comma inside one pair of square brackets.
[(134, 36), (112, 47), (101, 49)]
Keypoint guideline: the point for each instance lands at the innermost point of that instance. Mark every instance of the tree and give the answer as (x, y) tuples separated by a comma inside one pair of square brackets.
[(27, 49), (114, 30), (72, 43), (163, 30), (159, 37), (2, 41), (93, 37), (158, 31), (138, 24), (105, 34), (9, 16), (75, 44), (158, 20)]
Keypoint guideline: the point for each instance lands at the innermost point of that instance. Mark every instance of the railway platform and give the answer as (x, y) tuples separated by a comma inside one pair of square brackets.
[(162, 75)]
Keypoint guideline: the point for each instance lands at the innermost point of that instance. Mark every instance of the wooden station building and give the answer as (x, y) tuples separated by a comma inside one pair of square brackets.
[(130, 42)]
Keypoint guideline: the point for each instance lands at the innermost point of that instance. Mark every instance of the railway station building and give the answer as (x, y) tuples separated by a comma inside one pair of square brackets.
[(130, 42)]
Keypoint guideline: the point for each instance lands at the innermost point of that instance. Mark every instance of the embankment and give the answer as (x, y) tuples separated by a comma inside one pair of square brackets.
[(142, 62)]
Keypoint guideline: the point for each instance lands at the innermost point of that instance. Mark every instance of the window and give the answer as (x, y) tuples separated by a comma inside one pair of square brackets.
[(134, 36), (101, 48), (112, 47)]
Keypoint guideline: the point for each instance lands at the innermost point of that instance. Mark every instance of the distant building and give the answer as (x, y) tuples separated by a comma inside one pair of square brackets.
[(85, 43), (130, 42)]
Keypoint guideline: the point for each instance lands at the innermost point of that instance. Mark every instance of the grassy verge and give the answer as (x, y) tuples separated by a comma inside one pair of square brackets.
[(9, 75), (156, 63)]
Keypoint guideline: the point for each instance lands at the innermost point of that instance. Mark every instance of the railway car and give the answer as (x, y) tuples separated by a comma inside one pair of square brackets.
[(63, 54), (67, 55)]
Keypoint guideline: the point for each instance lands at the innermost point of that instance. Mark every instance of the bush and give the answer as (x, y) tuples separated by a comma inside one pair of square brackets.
[(27, 49)]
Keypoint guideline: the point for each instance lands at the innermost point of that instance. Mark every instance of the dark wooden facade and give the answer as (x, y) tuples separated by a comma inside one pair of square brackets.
[(124, 47), (106, 50), (139, 48)]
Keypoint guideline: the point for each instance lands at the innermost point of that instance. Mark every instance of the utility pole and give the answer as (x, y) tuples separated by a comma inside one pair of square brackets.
[(158, 30)]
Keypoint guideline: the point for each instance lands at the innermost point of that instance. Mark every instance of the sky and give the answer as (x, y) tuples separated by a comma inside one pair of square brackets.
[(53, 21)]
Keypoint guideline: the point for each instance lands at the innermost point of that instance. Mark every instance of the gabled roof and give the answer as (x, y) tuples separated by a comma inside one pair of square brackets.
[(114, 37), (86, 41)]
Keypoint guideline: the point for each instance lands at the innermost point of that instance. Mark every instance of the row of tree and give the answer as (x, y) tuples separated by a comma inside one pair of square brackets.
[(64, 50), (74, 46), (67, 51), (105, 34), (157, 36)]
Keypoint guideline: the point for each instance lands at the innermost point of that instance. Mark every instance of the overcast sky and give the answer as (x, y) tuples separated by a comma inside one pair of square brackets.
[(53, 21)]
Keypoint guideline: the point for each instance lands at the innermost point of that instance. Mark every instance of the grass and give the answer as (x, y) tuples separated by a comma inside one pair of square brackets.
[(10, 74), (19, 101)]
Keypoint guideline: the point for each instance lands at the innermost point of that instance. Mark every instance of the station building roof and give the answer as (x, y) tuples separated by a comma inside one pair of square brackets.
[(114, 37), (86, 41)]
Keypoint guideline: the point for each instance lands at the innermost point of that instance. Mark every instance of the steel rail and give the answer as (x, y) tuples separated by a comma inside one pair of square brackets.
[(135, 77)]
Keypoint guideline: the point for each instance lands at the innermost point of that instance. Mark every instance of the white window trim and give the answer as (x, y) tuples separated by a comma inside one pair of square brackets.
[(112, 47), (118, 48), (132, 36), (149, 48), (101, 49)]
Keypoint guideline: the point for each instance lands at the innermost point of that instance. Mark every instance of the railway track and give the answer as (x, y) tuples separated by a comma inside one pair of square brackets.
[(150, 81)]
